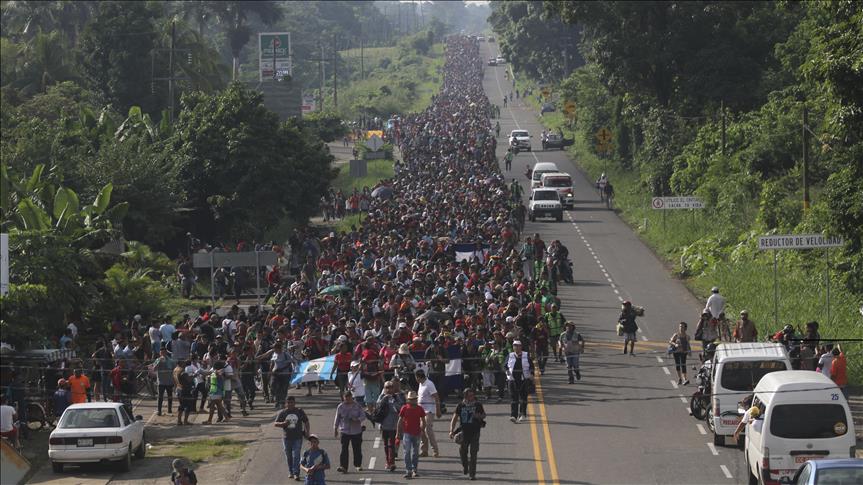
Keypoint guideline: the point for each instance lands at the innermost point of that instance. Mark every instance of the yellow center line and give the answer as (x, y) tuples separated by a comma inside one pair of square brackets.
[(552, 463), (537, 453)]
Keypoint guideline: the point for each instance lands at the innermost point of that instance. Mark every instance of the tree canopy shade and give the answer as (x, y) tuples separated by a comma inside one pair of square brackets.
[(241, 170)]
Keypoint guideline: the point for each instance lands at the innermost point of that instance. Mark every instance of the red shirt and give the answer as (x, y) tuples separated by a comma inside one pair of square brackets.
[(343, 361), (411, 418)]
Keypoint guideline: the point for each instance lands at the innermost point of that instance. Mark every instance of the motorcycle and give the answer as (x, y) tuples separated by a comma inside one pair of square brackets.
[(699, 404)]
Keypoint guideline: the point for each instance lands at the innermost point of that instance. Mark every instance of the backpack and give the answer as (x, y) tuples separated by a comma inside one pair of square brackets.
[(382, 410)]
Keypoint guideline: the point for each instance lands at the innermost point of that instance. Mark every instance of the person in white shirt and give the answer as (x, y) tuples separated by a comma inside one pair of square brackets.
[(73, 328), (430, 402), (155, 339), (167, 330), (715, 304), (519, 370)]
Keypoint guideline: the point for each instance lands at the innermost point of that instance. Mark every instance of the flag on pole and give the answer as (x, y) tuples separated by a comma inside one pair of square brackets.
[(314, 370)]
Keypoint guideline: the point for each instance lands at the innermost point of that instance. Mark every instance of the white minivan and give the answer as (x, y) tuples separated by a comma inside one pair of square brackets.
[(737, 369), (804, 416), (539, 169)]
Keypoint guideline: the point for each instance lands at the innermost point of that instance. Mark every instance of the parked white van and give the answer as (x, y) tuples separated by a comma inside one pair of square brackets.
[(804, 417), (539, 169), (737, 368)]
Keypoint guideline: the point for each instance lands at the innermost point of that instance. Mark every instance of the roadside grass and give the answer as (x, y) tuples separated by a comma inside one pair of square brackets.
[(377, 170), (198, 451), (726, 255)]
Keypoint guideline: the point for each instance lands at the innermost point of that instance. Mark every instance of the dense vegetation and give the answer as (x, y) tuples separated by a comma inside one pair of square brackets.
[(93, 155), (666, 77)]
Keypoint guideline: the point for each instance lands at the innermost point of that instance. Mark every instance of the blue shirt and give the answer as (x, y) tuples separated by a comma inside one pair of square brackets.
[(314, 457), (62, 399)]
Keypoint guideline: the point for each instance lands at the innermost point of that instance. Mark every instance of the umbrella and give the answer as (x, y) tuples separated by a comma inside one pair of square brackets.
[(382, 192), (335, 290)]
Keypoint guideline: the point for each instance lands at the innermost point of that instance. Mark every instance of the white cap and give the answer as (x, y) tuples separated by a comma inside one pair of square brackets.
[(138, 317), (403, 325), (516, 342)]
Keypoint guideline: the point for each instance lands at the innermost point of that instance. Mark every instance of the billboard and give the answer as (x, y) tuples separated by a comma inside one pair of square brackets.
[(274, 49)]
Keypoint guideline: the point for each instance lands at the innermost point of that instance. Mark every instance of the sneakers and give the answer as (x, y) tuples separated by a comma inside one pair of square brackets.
[(359, 468), (408, 475), (341, 470), (686, 382), (679, 381), (436, 454), (578, 375), (512, 418), (571, 380), (520, 419), (392, 468)]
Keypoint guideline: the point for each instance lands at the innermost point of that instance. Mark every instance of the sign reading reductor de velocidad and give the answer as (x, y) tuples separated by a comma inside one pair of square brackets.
[(799, 241)]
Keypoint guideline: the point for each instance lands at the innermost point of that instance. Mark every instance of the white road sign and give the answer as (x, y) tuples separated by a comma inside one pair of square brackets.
[(375, 143), (799, 241), (663, 203)]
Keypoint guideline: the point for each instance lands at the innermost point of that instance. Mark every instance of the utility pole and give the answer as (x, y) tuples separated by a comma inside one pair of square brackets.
[(171, 72), (805, 158), (335, 74), (722, 107), (362, 61), (321, 69)]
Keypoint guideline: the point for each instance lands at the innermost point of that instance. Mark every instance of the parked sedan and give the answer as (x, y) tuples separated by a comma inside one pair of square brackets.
[(96, 432)]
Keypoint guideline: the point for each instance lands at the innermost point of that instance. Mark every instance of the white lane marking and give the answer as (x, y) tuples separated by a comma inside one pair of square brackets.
[(616, 291), (684, 401), (725, 471), (609, 280), (372, 462), (712, 449), (659, 359), (367, 481), (377, 443), (674, 384), (667, 372), (644, 337), (701, 428)]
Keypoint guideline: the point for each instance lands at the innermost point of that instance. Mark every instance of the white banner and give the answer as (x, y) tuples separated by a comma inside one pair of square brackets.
[(799, 241)]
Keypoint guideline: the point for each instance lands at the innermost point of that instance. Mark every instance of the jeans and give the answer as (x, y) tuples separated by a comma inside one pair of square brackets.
[(293, 447), (170, 391), (470, 443), (280, 389), (572, 365), (412, 451), (389, 438), (518, 393), (356, 443)]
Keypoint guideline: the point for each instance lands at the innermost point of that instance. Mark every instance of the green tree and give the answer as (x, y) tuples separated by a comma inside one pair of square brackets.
[(233, 17), (115, 53), (240, 169)]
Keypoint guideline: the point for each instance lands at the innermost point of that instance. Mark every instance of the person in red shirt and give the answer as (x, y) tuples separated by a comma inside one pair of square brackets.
[(343, 364), (838, 370), (79, 384), (411, 422)]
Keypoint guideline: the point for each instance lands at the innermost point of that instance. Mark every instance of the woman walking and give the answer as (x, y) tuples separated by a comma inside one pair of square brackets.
[(349, 422), (679, 346)]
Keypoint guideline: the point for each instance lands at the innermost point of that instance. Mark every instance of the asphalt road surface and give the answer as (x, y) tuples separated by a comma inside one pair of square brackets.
[(626, 421)]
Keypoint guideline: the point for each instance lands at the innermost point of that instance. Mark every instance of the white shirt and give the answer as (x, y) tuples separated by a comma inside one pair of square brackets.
[(167, 331), (355, 384), (426, 393), (6, 420), (73, 328), (228, 372), (155, 335), (826, 363), (715, 305)]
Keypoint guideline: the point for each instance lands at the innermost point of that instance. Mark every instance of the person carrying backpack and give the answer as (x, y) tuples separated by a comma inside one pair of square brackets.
[(387, 415)]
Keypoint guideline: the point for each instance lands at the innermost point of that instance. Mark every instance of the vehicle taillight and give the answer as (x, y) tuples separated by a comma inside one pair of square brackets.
[(765, 460), (853, 452), (114, 439), (716, 407), (55, 441)]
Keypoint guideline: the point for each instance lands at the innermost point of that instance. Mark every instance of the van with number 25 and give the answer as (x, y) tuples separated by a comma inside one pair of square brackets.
[(804, 416)]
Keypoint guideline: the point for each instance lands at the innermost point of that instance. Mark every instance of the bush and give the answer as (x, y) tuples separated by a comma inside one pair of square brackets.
[(29, 316), (126, 292)]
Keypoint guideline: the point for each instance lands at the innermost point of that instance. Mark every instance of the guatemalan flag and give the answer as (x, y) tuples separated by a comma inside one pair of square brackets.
[(467, 252), (314, 370)]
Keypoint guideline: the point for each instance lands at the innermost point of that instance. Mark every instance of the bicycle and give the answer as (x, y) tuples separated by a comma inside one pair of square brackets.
[(143, 380)]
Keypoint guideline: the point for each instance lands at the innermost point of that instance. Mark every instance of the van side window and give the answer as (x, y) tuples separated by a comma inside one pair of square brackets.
[(808, 421)]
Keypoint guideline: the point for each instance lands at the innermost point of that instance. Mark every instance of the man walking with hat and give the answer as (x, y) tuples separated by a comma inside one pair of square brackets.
[(412, 421), (572, 345), (519, 375)]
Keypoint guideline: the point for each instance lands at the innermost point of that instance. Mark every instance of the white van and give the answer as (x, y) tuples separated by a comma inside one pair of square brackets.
[(804, 417), (539, 169), (737, 368)]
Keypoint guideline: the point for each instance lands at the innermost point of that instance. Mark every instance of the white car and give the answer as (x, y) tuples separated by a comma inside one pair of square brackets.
[(544, 203), (520, 138), (501, 60), (96, 432)]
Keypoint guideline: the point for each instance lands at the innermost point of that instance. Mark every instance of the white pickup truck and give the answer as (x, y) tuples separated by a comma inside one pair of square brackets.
[(544, 202)]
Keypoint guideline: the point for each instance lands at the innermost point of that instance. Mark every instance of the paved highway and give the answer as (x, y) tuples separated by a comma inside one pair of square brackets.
[(626, 421)]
